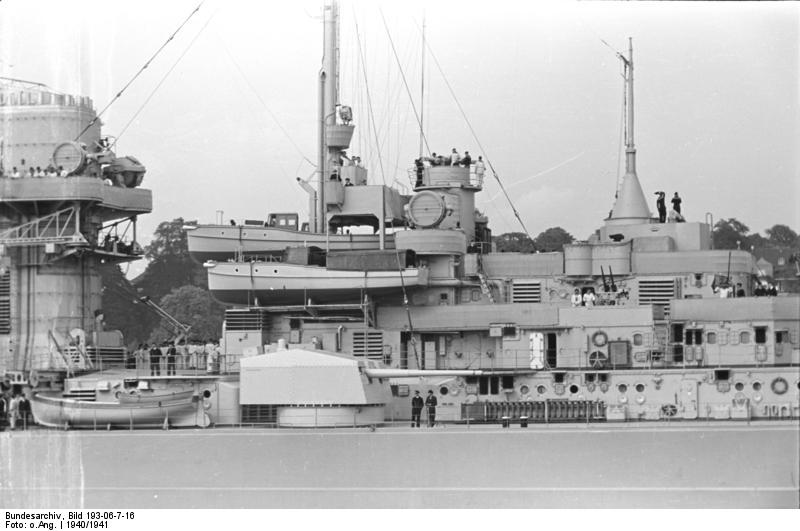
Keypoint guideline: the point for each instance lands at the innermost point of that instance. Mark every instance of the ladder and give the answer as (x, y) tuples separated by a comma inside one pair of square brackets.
[(485, 288)]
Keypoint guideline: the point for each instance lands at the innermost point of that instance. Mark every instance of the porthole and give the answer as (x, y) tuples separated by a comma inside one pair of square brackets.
[(206, 394), (541, 389), (622, 388), (711, 338), (443, 390), (637, 339), (744, 337), (739, 386), (574, 389), (524, 389), (756, 386), (639, 388)]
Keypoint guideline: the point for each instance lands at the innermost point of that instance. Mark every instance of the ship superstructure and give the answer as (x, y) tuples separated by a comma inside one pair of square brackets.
[(633, 323), (67, 205)]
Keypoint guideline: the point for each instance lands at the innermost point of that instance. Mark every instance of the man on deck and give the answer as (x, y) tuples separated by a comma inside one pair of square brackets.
[(431, 402)]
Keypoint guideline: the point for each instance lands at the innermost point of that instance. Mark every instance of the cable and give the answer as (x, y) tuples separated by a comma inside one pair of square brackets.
[(263, 103), (142, 69), (163, 79), (405, 83), (477, 140), (369, 101)]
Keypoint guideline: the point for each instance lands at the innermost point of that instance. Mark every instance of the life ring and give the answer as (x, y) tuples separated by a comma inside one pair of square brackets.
[(779, 386), (454, 390), (739, 399), (669, 410), (118, 394), (134, 392), (622, 399), (590, 387), (599, 338), (604, 387), (640, 399), (757, 397)]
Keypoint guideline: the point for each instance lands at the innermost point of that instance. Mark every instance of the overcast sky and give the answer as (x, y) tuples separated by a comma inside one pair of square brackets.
[(231, 126)]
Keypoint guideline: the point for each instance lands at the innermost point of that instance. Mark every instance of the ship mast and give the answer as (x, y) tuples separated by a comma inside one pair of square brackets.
[(630, 206), (329, 95)]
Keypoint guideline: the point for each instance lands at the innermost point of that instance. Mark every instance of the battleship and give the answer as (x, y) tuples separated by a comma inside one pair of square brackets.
[(644, 327)]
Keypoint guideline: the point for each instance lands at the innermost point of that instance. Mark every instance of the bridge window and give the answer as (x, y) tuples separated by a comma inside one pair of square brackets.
[(638, 339), (711, 338), (694, 337), (744, 337), (761, 334)]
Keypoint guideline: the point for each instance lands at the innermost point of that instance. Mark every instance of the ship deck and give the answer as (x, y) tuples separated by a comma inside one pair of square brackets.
[(652, 465)]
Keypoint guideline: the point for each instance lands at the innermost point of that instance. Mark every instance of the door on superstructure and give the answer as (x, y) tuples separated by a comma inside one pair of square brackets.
[(687, 399), (551, 350), (434, 349)]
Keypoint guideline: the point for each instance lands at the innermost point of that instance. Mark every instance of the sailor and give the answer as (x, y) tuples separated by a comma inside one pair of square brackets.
[(676, 203), (431, 403), (589, 298), (172, 352), (155, 361), (3, 410), (24, 410), (13, 411), (15, 173), (416, 409), (661, 205), (61, 171), (31, 172), (739, 290), (480, 169), (347, 181), (455, 158), (467, 160), (577, 300)]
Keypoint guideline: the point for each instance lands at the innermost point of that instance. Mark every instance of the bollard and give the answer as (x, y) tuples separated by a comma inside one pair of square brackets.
[(523, 422), (506, 421)]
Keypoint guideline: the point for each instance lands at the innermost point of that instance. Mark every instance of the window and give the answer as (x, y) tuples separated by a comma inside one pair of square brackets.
[(488, 385), (5, 303), (368, 344), (638, 340), (782, 336), (744, 337), (761, 334), (508, 382), (694, 336), (711, 338), (677, 333), (722, 375), (509, 331)]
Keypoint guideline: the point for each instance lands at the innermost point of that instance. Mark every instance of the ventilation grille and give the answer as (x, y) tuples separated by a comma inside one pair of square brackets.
[(237, 320), (5, 303), (657, 293), (368, 344), (259, 414), (526, 291)]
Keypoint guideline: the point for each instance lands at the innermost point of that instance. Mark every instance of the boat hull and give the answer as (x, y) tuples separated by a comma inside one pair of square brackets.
[(177, 409), (223, 242), (268, 283)]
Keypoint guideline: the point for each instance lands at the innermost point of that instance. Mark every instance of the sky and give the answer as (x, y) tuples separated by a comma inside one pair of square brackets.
[(224, 118)]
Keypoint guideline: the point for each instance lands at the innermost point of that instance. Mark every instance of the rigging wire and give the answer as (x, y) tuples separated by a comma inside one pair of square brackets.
[(263, 103), (477, 140), (405, 82), (369, 99), (163, 79), (142, 69)]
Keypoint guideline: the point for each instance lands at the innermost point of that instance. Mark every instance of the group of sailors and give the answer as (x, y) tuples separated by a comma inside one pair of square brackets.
[(113, 244), (170, 356), (15, 408), (589, 298), (453, 159), (49, 171), (762, 289), (675, 215)]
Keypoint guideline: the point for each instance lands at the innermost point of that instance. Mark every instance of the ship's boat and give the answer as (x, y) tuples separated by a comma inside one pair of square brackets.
[(95, 402)]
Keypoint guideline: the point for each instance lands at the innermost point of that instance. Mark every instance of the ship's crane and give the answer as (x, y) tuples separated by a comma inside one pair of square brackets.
[(181, 329)]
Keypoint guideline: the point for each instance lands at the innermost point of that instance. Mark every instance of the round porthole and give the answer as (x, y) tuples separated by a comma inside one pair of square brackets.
[(443, 390), (639, 388), (206, 394), (756, 386), (573, 389), (739, 386), (524, 389), (541, 389), (622, 388)]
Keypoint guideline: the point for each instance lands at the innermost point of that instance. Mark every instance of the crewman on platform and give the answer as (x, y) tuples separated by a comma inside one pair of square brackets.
[(155, 360), (416, 409), (431, 403)]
